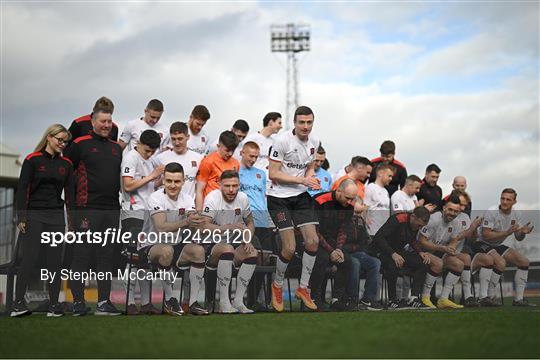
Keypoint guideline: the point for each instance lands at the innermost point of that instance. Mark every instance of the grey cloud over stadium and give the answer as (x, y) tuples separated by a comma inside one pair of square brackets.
[(468, 103)]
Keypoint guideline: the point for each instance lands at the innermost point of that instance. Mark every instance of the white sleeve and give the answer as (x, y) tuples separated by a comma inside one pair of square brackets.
[(489, 219), (210, 207), (246, 209), (154, 205), (125, 135), (129, 165), (368, 197), (428, 230), (396, 203), (518, 215), (277, 151)]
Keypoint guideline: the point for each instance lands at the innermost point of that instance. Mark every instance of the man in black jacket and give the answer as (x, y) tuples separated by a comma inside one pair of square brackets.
[(335, 210), (396, 244), (96, 159), (430, 192)]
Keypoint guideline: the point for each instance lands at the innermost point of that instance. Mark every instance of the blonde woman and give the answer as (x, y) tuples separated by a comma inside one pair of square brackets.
[(44, 175)]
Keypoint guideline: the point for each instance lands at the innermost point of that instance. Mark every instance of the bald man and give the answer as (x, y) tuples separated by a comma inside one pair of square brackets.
[(335, 210), (460, 183)]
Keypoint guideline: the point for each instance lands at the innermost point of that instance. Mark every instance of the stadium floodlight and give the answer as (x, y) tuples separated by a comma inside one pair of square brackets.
[(290, 39)]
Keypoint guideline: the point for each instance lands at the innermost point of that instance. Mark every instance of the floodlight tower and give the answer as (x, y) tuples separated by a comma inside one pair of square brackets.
[(290, 39)]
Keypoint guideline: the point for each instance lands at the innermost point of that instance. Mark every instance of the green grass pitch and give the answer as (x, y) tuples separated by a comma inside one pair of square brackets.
[(471, 333)]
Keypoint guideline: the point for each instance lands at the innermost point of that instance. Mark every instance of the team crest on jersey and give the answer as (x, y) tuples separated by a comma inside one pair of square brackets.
[(280, 216), (237, 211), (513, 222), (114, 152), (62, 171), (312, 151), (193, 164), (258, 176), (41, 168), (181, 212), (325, 179), (449, 229), (485, 222), (94, 150), (463, 223), (203, 139)]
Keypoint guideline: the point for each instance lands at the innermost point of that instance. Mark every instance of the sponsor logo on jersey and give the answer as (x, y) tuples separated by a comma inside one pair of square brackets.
[(449, 229), (94, 150), (463, 223), (258, 176), (194, 164), (237, 211), (513, 222), (297, 166), (486, 222), (126, 170), (206, 209), (181, 211), (203, 139), (156, 207)]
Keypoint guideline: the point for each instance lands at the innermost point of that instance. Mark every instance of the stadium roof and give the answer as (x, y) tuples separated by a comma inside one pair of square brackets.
[(10, 166)]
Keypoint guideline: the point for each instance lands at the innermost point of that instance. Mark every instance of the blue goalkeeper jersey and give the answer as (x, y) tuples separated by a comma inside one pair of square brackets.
[(326, 182), (253, 184)]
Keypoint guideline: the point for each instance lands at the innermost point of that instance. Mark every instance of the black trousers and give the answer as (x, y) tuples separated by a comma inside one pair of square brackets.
[(318, 275), (96, 221), (413, 266), (32, 248)]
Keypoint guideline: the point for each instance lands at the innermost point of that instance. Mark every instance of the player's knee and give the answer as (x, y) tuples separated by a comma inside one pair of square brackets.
[(436, 266), (311, 244), (287, 251), (485, 260), (198, 253), (522, 262), (499, 263)]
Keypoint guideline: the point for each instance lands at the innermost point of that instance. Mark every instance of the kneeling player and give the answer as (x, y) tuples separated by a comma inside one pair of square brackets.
[(172, 210), (444, 236), (229, 219), (500, 222)]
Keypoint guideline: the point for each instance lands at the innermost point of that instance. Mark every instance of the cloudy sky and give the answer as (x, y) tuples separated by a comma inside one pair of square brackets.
[(450, 83)]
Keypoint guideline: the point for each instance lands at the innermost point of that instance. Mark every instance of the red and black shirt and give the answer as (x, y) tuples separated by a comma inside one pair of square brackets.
[(398, 180), (83, 126), (97, 163), (431, 195), (335, 221), (42, 180)]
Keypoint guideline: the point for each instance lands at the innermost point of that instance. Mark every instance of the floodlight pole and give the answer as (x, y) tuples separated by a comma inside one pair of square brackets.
[(291, 39)]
